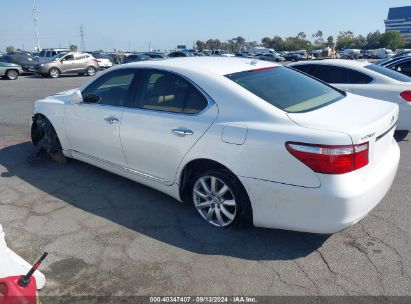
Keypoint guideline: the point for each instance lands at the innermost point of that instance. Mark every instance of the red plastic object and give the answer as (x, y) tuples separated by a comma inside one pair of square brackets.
[(12, 293)]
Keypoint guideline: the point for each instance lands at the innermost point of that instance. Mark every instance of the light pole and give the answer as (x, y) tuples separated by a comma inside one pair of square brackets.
[(35, 26)]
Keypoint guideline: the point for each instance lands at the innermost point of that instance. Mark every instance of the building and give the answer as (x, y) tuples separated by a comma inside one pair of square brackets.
[(399, 20)]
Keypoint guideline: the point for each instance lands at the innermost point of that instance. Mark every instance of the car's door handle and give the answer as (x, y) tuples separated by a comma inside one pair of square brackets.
[(111, 120), (182, 132)]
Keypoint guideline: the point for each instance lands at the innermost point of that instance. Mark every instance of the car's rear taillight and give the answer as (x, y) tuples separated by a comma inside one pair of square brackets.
[(406, 95), (330, 159)]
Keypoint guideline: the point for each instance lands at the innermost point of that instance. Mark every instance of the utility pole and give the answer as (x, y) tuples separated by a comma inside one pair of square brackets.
[(83, 46), (35, 25)]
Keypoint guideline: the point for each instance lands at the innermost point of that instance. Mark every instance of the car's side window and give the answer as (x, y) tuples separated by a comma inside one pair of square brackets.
[(305, 68), (404, 67), (111, 89), (331, 74), (69, 58), (359, 78), (163, 91)]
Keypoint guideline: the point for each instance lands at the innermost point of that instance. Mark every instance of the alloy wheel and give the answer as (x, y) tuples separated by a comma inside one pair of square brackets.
[(12, 75), (215, 201), (54, 73), (91, 71)]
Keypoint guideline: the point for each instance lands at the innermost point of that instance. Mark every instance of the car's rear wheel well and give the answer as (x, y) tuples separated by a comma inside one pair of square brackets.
[(196, 167), (11, 69)]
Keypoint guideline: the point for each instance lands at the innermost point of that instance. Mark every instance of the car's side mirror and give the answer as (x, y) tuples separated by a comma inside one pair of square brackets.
[(76, 98), (91, 98)]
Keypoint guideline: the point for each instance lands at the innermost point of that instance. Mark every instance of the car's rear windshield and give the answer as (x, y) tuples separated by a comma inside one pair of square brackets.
[(388, 72), (286, 89)]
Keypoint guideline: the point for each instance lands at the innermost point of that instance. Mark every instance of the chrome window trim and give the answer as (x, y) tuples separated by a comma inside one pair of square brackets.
[(210, 101)]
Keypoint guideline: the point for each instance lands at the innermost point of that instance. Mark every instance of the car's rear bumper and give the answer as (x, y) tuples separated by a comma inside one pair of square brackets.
[(340, 202), (404, 119)]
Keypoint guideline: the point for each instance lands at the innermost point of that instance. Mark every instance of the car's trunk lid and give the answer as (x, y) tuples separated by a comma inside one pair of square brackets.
[(363, 119)]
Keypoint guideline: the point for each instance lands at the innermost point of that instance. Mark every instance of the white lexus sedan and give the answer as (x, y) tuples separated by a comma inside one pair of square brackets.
[(365, 79), (242, 140)]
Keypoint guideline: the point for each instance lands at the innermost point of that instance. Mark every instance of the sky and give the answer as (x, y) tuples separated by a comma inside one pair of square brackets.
[(164, 24)]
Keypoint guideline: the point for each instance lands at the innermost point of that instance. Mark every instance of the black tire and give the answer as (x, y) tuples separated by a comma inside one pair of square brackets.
[(91, 71), (44, 136), (12, 74), (54, 73), (243, 210)]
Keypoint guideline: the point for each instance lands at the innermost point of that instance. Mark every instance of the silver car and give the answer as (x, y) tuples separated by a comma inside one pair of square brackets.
[(271, 57), (68, 63), (10, 71)]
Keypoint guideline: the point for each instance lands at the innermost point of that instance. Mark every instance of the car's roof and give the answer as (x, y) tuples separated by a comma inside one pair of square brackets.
[(214, 65), (337, 62)]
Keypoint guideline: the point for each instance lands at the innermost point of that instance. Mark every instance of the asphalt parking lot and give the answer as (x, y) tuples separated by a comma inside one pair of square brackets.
[(107, 235)]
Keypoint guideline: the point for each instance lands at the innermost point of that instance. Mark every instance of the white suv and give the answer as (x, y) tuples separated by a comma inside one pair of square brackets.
[(47, 54)]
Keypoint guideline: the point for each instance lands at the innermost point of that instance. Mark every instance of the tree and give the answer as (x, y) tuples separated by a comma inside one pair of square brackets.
[(392, 40), (330, 39), (301, 35), (318, 38), (73, 48), (266, 41), (345, 40), (200, 45), (10, 49), (296, 43), (374, 40), (239, 43), (360, 42), (213, 44)]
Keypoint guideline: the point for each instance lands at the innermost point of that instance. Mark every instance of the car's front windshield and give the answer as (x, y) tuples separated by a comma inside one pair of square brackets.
[(286, 89)]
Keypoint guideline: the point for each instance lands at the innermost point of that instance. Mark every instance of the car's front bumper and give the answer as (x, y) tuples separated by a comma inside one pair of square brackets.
[(338, 203), (41, 69)]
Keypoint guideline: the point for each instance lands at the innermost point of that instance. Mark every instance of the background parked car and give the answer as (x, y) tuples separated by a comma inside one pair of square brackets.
[(403, 66), (352, 54), (365, 79), (103, 60), (47, 54), (271, 57), (400, 63), (180, 54), (383, 53), (68, 63), (156, 55), (221, 53), (10, 71), (136, 57), (116, 58), (294, 57), (26, 61)]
